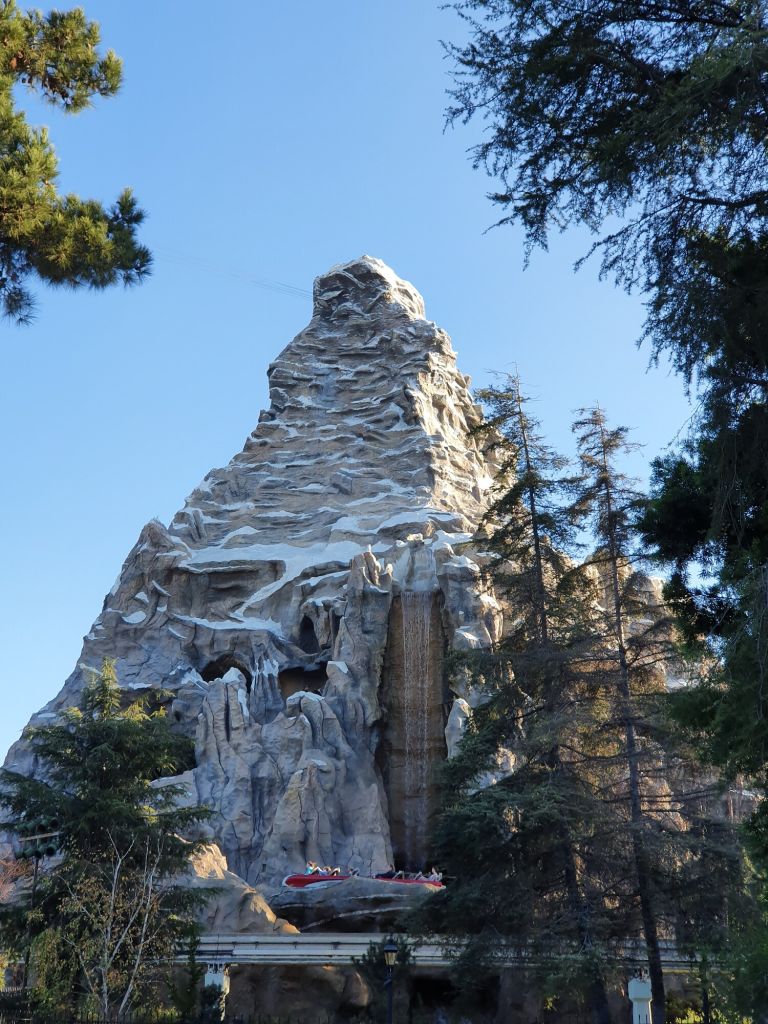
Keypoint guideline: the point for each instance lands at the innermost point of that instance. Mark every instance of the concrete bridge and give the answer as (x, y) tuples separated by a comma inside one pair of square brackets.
[(219, 952), (339, 948)]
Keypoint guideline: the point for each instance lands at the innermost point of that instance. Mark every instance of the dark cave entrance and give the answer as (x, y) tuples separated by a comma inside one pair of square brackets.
[(431, 992), (308, 641), (312, 678), (218, 668)]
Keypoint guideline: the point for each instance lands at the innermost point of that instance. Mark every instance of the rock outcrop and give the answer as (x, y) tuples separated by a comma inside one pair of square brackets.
[(236, 907), (299, 606)]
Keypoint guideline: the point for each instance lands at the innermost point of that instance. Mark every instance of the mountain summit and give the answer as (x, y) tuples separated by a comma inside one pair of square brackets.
[(368, 421)]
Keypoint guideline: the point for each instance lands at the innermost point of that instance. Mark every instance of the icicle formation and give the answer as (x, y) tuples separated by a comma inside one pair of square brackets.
[(417, 676)]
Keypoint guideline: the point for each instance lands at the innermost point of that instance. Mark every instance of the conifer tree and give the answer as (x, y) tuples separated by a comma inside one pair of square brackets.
[(520, 844), (110, 904), (612, 502), (684, 858), (60, 239), (574, 825)]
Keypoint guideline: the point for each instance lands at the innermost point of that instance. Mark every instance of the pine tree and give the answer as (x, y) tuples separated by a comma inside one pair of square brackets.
[(110, 905), (520, 843), (60, 239), (679, 840), (575, 823), (612, 502)]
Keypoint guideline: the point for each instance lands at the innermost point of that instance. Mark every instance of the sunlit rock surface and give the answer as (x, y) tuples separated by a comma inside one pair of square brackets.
[(299, 606), (236, 907)]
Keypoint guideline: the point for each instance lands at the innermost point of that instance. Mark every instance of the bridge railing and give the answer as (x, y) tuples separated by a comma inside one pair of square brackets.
[(343, 947)]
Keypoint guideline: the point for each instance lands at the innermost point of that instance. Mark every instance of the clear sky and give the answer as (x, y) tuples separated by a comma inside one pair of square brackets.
[(266, 142)]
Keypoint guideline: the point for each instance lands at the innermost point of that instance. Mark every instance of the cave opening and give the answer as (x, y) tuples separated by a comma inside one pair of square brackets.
[(297, 677), (308, 641), (218, 668), (430, 992)]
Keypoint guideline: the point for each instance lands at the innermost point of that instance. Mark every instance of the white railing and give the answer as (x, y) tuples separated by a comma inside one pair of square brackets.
[(340, 948)]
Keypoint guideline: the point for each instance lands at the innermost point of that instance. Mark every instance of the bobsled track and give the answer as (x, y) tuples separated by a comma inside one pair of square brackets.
[(341, 947)]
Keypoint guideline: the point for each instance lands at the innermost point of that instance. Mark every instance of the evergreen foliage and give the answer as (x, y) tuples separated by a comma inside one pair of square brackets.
[(110, 906), (526, 880), (60, 239), (646, 122), (572, 824), (651, 112), (629, 662), (185, 985)]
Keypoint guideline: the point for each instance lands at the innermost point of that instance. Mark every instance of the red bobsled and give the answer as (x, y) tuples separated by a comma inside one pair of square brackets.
[(303, 881)]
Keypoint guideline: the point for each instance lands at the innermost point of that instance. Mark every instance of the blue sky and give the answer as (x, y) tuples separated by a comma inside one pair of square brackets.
[(266, 142)]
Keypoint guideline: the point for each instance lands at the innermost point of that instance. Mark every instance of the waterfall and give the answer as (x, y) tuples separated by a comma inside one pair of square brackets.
[(417, 685), (414, 736)]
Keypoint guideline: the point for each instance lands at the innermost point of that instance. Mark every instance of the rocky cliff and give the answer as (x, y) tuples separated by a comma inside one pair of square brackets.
[(300, 605)]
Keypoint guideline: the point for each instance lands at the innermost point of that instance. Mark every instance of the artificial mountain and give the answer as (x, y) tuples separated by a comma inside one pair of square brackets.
[(300, 606)]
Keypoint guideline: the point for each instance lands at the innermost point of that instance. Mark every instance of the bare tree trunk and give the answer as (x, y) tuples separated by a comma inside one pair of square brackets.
[(541, 600), (598, 997), (706, 1011), (639, 851), (642, 867)]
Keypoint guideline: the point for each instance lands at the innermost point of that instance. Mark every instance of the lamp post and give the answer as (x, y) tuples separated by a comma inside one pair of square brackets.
[(390, 956)]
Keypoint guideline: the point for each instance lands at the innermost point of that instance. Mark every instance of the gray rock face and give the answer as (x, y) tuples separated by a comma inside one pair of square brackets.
[(269, 605), (237, 907)]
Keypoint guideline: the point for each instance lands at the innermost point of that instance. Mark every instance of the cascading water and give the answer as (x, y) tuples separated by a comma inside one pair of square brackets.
[(413, 739), (417, 683)]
